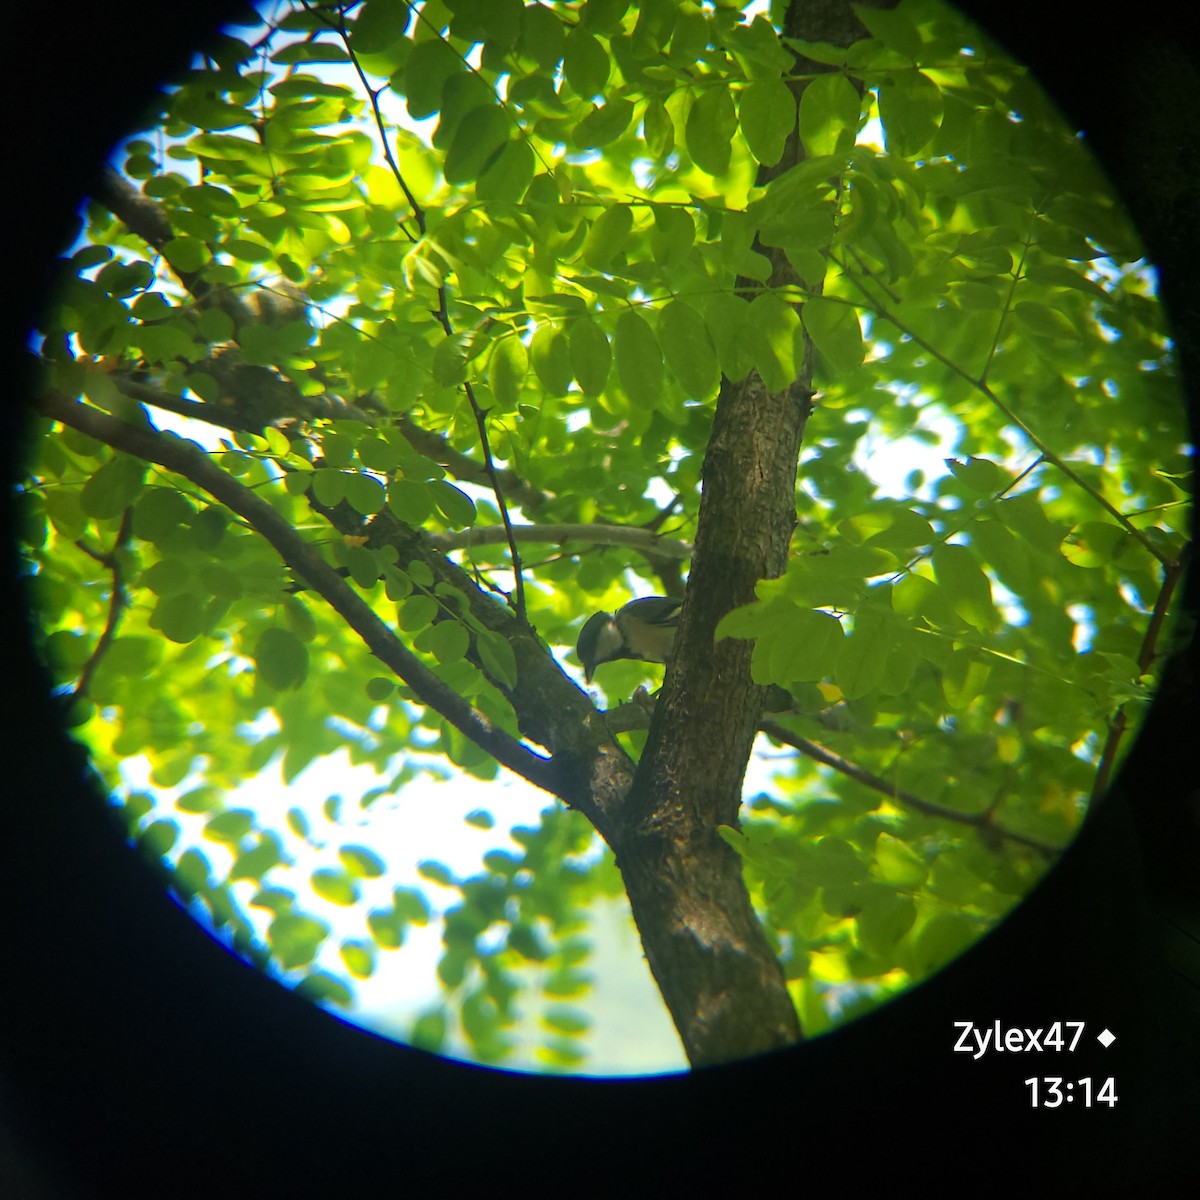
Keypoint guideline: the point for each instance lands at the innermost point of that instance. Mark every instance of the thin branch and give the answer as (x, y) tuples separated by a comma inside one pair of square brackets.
[(443, 316), (1145, 660), (497, 490), (148, 219), (1007, 308), (324, 405), (343, 33), (981, 821), (993, 499), (643, 540), (984, 389), (463, 467), (117, 601), (307, 562)]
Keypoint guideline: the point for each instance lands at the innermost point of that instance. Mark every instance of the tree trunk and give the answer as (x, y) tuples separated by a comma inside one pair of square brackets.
[(706, 948)]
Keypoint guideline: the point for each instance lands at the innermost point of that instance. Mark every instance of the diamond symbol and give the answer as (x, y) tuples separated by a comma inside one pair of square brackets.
[(1106, 1039)]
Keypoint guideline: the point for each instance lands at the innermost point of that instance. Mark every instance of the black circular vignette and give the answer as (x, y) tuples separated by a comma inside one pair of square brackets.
[(138, 1054)]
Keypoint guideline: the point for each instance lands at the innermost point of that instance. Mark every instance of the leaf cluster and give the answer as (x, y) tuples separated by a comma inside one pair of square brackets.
[(432, 274)]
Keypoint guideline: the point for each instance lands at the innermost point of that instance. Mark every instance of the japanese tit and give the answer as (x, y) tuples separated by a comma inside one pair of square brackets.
[(642, 629)]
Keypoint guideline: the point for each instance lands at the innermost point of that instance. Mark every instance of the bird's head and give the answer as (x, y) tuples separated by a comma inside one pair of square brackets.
[(642, 629)]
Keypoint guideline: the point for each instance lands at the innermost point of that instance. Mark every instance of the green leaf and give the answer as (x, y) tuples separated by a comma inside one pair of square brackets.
[(505, 179), (191, 873), (410, 500), (981, 475), (607, 237), (943, 937), (897, 864), (321, 988), (359, 958), (180, 617), (728, 319), (773, 329), (429, 1031), (709, 132), (435, 872), (542, 36), (113, 487), (429, 66), (585, 64), (639, 359), (281, 659), (658, 129), (767, 115), (295, 939), (450, 359), (884, 922), (591, 356), (689, 350), (229, 827), (829, 114), (965, 586), (157, 838), (417, 612), (507, 368), (361, 862), (378, 25), (478, 139), (673, 236), (835, 332), (159, 512), (806, 649), (1043, 321), (336, 886), (363, 493), (446, 640), (964, 677), (551, 357), (498, 657), (387, 930), (329, 486), (454, 504), (604, 125), (185, 254), (862, 656), (910, 108)]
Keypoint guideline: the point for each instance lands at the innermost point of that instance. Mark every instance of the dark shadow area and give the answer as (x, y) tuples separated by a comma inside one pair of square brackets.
[(137, 1056)]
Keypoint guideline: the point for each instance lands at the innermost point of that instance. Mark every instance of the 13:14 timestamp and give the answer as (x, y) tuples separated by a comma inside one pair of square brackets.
[(1052, 1090)]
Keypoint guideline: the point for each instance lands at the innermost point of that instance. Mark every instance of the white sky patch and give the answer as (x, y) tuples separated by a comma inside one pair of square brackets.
[(889, 461)]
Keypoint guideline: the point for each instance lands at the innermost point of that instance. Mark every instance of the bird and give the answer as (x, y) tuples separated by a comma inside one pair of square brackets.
[(643, 629)]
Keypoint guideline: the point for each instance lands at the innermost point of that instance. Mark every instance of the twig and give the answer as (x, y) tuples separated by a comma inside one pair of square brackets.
[(1146, 657), (981, 821), (981, 386), (117, 601), (443, 317)]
